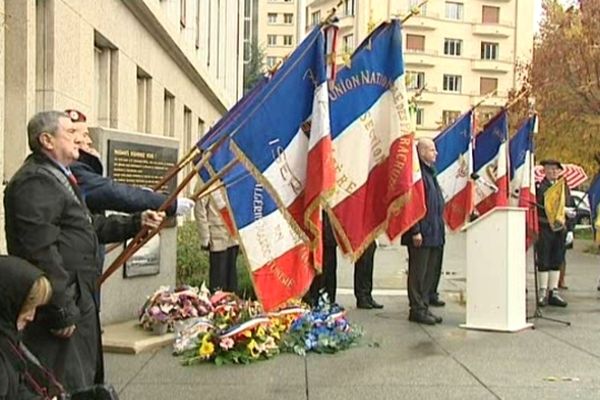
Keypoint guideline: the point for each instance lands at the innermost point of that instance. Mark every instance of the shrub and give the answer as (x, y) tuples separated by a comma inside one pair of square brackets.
[(192, 262)]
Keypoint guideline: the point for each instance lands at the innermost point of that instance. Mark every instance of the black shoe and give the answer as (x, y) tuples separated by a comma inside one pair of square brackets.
[(364, 304), (555, 300), (375, 304), (436, 302), (437, 319), (421, 318)]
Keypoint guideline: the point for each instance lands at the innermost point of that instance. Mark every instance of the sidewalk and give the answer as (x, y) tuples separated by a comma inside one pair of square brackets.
[(398, 359)]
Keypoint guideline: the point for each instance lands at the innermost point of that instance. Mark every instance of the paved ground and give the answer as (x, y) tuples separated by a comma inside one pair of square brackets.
[(398, 359)]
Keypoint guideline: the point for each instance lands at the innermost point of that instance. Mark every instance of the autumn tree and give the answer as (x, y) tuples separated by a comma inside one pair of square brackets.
[(564, 80)]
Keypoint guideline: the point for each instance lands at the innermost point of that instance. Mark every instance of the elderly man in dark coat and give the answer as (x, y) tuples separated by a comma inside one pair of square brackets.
[(425, 242), (48, 224)]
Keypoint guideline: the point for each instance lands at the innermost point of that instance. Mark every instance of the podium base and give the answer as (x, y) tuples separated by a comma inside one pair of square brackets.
[(526, 325)]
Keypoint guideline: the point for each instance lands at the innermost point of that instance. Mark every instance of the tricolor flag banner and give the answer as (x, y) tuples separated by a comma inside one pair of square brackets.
[(490, 158), (455, 167), (379, 186), (285, 140), (522, 182), (594, 197)]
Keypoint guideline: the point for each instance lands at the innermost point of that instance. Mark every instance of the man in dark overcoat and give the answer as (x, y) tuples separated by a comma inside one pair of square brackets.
[(48, 224), (425, 242)]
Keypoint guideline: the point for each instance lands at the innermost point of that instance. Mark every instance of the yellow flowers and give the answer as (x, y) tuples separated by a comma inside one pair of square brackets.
[(253, 349), (207, 348)]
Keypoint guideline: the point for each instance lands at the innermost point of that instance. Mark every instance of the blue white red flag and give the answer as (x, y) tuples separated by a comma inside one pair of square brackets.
[(455, 167), (285, 139), (379, 185), (594, 197), (522, 180), (490, 159)]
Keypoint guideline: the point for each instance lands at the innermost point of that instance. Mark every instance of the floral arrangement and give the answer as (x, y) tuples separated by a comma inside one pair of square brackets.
[(325, 329), (224, 329), (167, 306)]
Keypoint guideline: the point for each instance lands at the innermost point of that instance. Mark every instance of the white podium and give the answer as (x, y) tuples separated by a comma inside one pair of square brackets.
[(496, 271)]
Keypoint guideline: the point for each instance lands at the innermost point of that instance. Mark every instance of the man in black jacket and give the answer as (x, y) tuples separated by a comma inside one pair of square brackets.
[(425, 242), (48, 224), (102, 193)]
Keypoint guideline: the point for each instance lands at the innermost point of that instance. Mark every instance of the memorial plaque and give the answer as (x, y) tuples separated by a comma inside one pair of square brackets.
[(140, 164)]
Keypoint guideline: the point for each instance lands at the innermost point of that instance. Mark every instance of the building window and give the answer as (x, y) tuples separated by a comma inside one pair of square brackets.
[(452, 47), (288, 19), (287, 40), (454, 11), (490, 15), (272, 18), (271, 61), (449, 117), (144, 101), (197, 24), (169, 115), (422, 9), (348, 7), (348, 44), (182, 12), (420, 116), (415, 80), (452, 83), (105, 89), (487, 85), (489, 51), (315, 18), (415, 42), (201, 127), (272, 40)]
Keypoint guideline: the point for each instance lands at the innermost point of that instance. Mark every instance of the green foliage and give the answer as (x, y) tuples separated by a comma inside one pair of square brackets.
[(192, 262), (254, 69)]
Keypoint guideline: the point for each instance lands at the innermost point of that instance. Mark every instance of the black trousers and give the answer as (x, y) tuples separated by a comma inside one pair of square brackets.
[(423, 262), (222, 273), (363, 274), (327, 280), (550, 249), (437, 274)]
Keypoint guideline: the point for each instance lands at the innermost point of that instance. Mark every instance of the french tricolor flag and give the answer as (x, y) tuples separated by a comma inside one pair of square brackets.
[(522, 179), (455, 167), (285, 140), (490, 161), (379, 185)]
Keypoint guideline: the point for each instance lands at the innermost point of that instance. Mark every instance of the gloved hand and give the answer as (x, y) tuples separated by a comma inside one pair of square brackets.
[(184, 206), (570, 213), (569, 238)]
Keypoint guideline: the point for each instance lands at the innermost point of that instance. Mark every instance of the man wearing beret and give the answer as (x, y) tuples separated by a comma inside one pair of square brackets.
[(102, 193), (550, 246)]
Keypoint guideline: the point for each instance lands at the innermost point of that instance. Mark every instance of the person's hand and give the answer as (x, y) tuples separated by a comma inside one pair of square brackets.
[(64, 333), (569, 238), (570, 213), (152, 219), (184, 206), (205, 246), (417, 240)]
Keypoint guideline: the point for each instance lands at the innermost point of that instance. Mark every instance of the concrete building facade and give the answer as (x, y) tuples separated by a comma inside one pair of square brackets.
[(458, 51), (276, 29), (158, 67)]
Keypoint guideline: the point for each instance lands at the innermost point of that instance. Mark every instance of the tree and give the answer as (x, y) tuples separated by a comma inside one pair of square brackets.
[(564, 78), (254, 68)]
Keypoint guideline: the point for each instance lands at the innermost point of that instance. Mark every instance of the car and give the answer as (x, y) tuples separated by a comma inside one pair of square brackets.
[(582, 208)]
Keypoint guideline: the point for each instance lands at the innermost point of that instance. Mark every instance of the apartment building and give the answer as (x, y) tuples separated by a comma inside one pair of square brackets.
[(277, 29), (459, 53), (157, 67)]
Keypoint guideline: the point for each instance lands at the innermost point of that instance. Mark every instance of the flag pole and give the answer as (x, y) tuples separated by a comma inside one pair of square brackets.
[(145, 234), (414, 11)]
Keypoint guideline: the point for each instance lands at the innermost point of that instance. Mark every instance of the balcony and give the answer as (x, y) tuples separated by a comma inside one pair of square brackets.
[(426, 97), (492, 66), (421, 58), (346, 21), (493, 30), (497, 100), (426, 22)]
